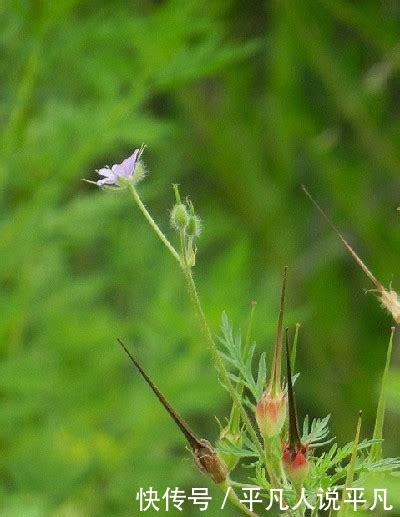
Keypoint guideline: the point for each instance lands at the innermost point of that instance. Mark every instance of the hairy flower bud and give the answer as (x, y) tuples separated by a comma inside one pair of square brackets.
[(191, 254), (271, 413), (179, 217), (193, 228), (295, 463)]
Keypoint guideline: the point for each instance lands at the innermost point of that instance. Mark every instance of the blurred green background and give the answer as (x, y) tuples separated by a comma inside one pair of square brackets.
[(240, 103)]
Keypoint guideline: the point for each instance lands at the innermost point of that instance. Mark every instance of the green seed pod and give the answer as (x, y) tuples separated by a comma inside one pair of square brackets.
[(179, 217), (193, 228)]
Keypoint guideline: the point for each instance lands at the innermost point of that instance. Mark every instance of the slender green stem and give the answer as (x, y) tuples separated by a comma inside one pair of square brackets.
[(154, 225), (273, 461), (222, 372)]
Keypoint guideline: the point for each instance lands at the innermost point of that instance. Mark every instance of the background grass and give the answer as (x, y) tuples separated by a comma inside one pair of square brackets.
[(239, 102)]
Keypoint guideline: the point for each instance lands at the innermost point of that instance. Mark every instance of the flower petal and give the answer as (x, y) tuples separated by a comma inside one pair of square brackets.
[(106, 171), (126, 168), (106, 181)]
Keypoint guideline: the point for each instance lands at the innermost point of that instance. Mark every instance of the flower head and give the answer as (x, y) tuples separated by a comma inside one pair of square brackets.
[(127, 171)]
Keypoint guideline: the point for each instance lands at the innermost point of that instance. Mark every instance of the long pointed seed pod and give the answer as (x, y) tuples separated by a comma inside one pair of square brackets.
[(389, 298), (294, 437), (295, 454), (271, 408), (277, 361), (205, 457)]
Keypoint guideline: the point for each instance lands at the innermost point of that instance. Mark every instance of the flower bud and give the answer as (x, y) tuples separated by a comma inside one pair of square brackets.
[(191, 254), (193, 228), (179, 217), (295, 463), (271, 413)]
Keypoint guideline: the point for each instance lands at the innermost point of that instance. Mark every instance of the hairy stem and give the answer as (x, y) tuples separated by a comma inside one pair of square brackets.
[(219, 365), (273, 461), (154, 225)]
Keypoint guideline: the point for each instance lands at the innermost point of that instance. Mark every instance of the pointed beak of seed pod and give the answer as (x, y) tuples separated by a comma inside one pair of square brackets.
[(271, 408), (205, 456), (295, 454)]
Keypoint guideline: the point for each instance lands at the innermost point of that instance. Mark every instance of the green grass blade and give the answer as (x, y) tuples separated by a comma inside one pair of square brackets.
[(375, 453)]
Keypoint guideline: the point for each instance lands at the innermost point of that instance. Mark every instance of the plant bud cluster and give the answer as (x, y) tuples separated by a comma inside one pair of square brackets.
[(183, 219)]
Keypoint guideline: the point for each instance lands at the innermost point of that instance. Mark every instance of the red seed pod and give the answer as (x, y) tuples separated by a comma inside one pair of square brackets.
[(295, 463)]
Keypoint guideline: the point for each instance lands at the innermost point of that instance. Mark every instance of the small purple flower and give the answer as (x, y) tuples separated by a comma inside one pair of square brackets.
[(124, 170)]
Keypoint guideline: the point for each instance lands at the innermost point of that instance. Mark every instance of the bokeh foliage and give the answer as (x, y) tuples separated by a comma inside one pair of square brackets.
[(239, 102)]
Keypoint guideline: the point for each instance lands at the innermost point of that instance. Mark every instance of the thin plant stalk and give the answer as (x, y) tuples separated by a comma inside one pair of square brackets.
[(273, 463), (154, 225), (222, 372)]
